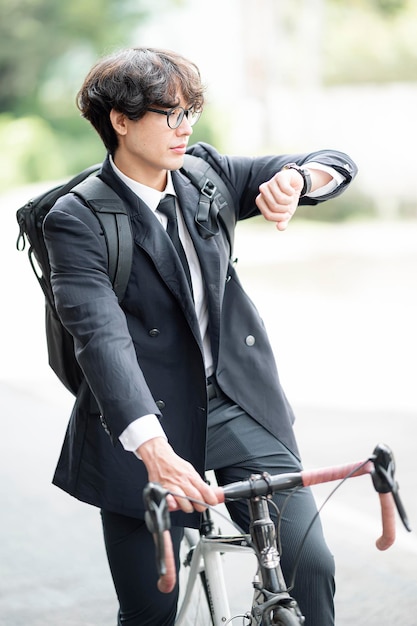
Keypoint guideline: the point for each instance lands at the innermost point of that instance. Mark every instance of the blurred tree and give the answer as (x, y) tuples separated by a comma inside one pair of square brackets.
[(37, 35), (387, 7), (46, 49)]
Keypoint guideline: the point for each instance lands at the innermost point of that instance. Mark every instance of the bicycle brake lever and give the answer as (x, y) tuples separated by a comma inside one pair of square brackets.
[(157, 520), (383, 478)]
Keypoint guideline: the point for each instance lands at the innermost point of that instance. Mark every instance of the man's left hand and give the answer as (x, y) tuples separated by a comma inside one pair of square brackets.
[(278, 197)]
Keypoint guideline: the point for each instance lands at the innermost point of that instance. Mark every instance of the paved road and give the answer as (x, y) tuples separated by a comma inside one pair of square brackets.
[(340, 304)]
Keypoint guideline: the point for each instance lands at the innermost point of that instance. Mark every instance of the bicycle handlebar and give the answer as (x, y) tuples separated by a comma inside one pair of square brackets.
[(380, 465)]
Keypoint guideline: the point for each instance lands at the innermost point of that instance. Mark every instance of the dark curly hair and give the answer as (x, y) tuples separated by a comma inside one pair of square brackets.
[(133, 79)]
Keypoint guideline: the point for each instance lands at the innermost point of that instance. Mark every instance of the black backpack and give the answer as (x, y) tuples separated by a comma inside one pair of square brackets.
[(215, 201)]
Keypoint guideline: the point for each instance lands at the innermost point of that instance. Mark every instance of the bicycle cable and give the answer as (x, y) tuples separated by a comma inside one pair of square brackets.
[(211, 507), (319, 510)]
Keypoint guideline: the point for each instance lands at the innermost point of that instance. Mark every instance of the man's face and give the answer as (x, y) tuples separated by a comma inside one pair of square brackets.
[(148, 147)]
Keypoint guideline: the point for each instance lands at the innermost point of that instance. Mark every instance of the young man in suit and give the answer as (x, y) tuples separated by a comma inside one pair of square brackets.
[(180, 378)]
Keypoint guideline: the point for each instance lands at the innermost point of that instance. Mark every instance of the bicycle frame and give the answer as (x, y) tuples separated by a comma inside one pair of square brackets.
[(205, 557), (205, 560)]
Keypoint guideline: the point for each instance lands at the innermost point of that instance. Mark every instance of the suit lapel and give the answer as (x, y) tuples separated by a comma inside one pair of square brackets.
[(151, 237)]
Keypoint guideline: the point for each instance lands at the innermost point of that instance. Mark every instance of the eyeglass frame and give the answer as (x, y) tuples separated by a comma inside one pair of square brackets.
[(185, 112)]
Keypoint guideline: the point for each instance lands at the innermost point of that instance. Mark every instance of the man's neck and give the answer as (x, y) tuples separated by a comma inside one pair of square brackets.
[(156, 179), (149, 195)]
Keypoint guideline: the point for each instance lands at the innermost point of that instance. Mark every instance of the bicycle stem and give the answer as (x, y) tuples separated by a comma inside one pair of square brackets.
[(263, 534)]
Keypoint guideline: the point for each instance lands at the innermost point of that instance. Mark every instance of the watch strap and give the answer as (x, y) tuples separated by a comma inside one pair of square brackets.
[(304, 173)]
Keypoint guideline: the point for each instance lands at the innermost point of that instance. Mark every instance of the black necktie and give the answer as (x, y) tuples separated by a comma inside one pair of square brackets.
[(167, 207)]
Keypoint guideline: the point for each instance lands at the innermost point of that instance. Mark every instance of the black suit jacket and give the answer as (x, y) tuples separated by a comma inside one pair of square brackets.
[(145, 356)]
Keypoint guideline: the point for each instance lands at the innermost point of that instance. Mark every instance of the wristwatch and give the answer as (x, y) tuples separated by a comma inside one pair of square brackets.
[(304, 173)]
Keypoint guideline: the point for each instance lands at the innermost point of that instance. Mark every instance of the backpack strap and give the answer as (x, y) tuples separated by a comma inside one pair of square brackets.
[(213, 194), (114, 219)]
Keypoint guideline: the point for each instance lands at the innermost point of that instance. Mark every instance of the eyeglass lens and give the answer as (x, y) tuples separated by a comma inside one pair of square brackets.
[(177, 115)]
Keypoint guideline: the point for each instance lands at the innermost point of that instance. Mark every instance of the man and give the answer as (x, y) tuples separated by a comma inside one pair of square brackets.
[(182, 372)]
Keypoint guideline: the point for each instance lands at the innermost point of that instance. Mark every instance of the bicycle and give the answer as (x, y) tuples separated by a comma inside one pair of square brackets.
[(272, 603)]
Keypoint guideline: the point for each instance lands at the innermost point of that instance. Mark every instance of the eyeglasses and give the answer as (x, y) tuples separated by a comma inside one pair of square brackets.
[(176, 115)]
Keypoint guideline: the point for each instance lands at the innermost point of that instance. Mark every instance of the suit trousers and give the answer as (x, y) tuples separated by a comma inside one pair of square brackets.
[(237, 447)]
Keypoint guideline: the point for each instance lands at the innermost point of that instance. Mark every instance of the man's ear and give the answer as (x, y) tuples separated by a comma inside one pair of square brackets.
[(118, 121)]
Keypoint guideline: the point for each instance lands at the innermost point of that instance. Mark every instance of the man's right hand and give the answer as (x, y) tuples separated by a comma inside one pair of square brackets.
[(176, 475)]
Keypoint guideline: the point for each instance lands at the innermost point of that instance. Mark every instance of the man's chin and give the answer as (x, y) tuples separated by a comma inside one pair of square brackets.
[(176, 162)]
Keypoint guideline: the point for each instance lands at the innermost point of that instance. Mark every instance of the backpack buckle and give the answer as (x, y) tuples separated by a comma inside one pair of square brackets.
[(208, 189)]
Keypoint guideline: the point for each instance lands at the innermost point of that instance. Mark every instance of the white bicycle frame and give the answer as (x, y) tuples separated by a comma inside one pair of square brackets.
[(207, 556)]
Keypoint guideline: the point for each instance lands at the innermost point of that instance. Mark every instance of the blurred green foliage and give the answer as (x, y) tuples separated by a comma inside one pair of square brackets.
[(370, 41), (29, 148), (46, 49), (45, 43)]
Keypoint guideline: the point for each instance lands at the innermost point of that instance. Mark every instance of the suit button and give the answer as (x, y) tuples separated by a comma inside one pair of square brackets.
[(154, 332), (160, 404), (250, 340)]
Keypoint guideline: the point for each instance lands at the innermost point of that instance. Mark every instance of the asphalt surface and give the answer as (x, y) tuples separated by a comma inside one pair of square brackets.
[(340, 304)]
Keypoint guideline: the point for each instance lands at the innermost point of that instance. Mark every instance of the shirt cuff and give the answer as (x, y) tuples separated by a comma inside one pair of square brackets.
[(140, 430), (337, 179)]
